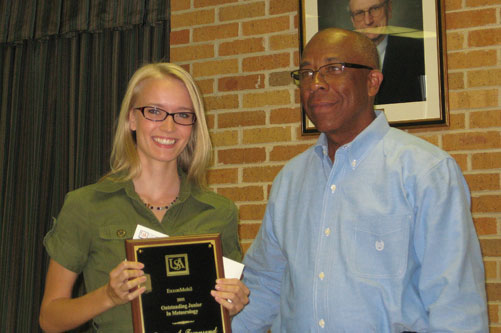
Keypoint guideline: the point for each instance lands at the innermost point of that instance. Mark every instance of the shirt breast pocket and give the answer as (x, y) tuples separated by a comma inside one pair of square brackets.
[(112, 239), (381, 246), (115, 232)]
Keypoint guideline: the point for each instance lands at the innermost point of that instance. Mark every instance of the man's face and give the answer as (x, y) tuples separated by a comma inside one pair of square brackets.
[(339, 105), (372, 25)]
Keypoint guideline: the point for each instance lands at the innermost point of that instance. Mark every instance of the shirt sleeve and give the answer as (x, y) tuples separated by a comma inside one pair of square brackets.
[(451, 279), (264, 267), (68, 241)]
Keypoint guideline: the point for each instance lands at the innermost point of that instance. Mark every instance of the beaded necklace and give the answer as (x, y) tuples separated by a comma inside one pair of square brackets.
[(160, 207)]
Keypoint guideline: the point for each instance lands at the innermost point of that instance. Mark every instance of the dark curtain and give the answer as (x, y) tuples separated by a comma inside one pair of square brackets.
[(64, 66)]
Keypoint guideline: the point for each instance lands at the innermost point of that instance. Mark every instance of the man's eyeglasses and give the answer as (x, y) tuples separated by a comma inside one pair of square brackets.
[(305, 76), (156, 114), (374, 11)]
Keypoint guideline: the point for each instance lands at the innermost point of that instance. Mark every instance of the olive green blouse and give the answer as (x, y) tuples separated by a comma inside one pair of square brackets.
[(88, 235)]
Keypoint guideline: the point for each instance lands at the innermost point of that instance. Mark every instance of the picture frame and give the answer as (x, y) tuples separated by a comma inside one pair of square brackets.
[(414, 20)]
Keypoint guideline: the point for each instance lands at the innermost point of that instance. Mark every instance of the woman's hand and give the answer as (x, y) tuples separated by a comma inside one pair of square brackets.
[(125, 281), (232, 294)]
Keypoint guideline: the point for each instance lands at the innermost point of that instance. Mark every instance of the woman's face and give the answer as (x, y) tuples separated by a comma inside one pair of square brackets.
[(163, 141)]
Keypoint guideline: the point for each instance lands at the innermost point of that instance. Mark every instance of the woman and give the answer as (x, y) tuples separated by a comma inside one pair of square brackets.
[(160, 154)]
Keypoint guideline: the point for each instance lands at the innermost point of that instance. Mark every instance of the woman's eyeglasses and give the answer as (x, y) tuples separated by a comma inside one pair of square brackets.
[(154, 113)]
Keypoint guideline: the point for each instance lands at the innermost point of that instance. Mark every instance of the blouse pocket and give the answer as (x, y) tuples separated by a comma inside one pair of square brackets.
[(107, 251), (112, 240), (381, 246), (114, 232)]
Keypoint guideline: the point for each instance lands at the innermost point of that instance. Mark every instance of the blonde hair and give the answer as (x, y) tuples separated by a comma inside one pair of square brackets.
[(193, 160)]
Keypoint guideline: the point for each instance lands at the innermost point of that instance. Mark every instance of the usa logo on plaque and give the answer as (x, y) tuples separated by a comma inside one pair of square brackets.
[(177, 264)]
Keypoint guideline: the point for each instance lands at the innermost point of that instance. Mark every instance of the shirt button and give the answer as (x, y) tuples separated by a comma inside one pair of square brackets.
[(321, 322), (354, 163), (321, 275), (327, 231), (333, 188), (380, 245)]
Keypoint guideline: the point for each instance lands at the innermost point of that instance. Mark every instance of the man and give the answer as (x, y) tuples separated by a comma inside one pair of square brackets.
[(370, 229), (401, 58)]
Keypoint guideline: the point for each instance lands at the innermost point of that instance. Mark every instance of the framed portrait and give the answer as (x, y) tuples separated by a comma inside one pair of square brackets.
[(410, 38)]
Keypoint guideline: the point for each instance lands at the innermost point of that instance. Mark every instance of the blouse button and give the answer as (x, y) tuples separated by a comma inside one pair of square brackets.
[(379, 245)]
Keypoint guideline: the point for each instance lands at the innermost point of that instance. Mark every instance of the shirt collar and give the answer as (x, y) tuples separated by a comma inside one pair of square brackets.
[(363, 142), (187, 189)]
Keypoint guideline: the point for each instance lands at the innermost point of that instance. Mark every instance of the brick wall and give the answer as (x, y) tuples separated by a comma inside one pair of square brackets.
[(240, 52)]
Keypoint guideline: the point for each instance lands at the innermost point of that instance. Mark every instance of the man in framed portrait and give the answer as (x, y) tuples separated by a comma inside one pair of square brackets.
[(401, 58)]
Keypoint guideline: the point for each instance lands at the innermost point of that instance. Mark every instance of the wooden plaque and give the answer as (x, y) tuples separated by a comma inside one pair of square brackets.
[(181, 272)]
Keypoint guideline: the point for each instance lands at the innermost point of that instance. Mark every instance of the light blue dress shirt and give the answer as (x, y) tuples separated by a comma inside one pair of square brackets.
[(380, 241)]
